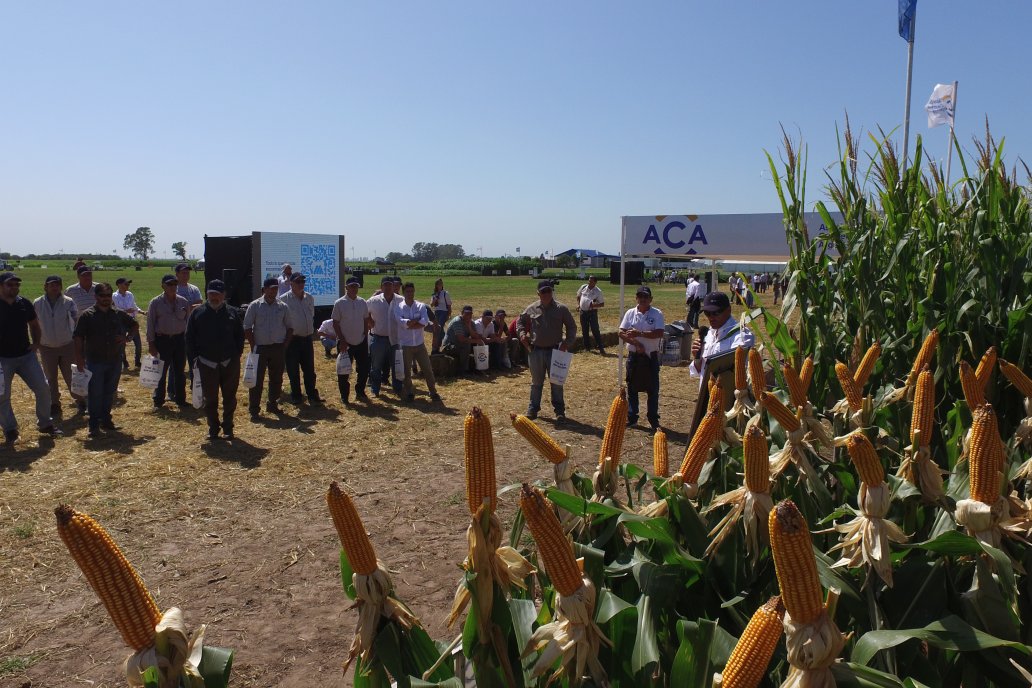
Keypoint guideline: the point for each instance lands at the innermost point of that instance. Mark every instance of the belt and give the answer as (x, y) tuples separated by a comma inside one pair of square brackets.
[(169, 335), (545, 347)]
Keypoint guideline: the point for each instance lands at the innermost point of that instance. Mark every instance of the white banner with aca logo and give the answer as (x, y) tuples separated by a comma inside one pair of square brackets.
[(756, 236)]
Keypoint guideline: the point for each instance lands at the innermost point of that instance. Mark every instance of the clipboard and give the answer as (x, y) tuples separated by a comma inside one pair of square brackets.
[(722, 367)]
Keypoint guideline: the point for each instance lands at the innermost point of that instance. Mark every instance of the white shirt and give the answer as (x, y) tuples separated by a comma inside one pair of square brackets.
[(586, 292), (302, 312), (125, 302), (326, 329), (485, 331), (384, 324), (701, 288), (691, 290), (727, 338), (406, 313), (350, 315), (649, 321), (284, 284), (443, 301)]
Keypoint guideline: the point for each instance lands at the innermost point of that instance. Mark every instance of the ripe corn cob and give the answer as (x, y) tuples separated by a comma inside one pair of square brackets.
[(924, 407), (849, 387), (554, 548), (756, 456), (748, 662), (716, 397), (660, 456), (756, 375), (352, 534), (866, 366), (706, 435), (1017, 377), (924, 356), (538, 438), (806, 372), (480, 461), (112, 578), (741, 369), (794, 563), (986, 456), (612, 439), (796, 391), (781, 414), (973, 391), (985, 367), (865, 458)]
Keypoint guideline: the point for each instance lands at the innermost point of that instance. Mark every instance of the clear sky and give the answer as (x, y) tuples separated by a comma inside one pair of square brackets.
[(488, 124)]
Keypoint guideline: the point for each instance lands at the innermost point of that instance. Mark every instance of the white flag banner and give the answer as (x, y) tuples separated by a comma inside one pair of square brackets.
[(940, 105)]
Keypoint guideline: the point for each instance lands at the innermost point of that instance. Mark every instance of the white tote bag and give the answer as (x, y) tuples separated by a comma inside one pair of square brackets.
[(150, 372), (560, 366), (198, 389), (251, 370), (343, 363), (480, 356), (399, 365), (80, 381)]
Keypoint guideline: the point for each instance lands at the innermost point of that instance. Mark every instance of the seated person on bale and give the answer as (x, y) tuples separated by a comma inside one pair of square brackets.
[(459, 339)]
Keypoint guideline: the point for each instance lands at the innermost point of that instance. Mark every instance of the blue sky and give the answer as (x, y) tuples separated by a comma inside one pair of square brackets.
[(488, 124)]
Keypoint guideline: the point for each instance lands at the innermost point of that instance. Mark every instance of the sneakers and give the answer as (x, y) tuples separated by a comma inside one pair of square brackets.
[(560, 418), (631, 422), (361, 396), (296, 399), (532, 415), (256, 417), (227, 433), (213, 435), (274, 409), (435, 397), (315, 400), (109, 426), (55, 410), (94, 434), (52, 431), (10, 437)]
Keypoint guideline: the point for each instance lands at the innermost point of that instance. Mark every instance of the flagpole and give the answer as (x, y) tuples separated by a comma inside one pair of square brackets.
[(910, 73), (953, 138)]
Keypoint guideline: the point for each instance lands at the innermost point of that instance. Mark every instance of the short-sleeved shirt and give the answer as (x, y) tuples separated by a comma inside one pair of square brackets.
[(104, 333), (14, 327), (384, 324), (456, 327), (189, 292), (269, 321), (84, 298), (486, 331), (302, 312), (443, 301), (351, 314), (649, 321), (166, 319), (588, 295)]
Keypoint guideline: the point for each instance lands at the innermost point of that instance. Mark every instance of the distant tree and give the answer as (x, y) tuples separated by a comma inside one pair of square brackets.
[(565, 261), (179, 248), (449, 252), (140, 242), (424, 251), (398, 257)]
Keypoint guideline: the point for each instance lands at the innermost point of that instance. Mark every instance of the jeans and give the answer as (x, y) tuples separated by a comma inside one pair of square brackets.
[(359, 354), (58, 359), (693, 312), (652, 390), (225, 379), (589, 319), (419, 354), (171, 350), (382, 366), (540, 360), (28, 369), (300, 354), (328, 345), (103, 386), (270, 357), (441, 318)]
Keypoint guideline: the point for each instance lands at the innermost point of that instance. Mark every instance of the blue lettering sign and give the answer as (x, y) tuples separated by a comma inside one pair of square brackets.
[(651, 235), (666, 234), (697, 235)]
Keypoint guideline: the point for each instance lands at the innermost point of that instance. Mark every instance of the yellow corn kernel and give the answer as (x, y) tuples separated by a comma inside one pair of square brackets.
[(973, 391), (796, 391), (1017, 377), (756, 375), (924, 356), (352, 534), (538, 438), (706, 436), (865, 458), (660, 455), (554, 549), (794, 563), (924, 408), (852, 392), (112, 578), (616, 424), (781, 414), (748, 662), (716, 397), (741, 368), (806, 372), (985, 456), (866, 367), (480, 461), (756, 456), (985, 367)]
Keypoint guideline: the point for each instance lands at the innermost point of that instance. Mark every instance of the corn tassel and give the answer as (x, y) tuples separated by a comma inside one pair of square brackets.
[(853, 396), (748, 662), (757, 377), (1017, 378), (974, 393), (480, 461), (352, 534), (539, 439), (866, 366), (782, 415), (660, 454), (616, 424), (985, 367)]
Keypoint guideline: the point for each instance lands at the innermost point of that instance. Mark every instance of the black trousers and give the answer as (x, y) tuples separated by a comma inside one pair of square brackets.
[(359, 354), (300, 360), (171, 350), (589, 326), (225, 380)]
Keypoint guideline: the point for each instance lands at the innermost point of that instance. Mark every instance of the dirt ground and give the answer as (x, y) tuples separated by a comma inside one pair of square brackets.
[(237, 534)]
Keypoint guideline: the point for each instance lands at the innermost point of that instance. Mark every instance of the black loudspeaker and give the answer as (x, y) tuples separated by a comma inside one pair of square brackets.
[(360, 276), (633, 273), (229, 259), (229, 278)]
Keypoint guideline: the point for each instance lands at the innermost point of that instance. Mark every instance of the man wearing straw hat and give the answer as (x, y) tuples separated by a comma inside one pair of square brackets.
[(540, 328)]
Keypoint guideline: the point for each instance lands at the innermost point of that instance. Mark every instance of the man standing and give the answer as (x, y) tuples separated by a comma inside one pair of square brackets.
[(642, 330), (384, 336), (82, 293), (299, 354), (267, 329), (284, 279), (693, 295), (18, 320), (214, 342), (57, 315), (589, 300), (540, 327), (124, 300), (459, 339), (100, 335), (351, 322), (725, 334), (166, 327), (412, 318), (183, 287)]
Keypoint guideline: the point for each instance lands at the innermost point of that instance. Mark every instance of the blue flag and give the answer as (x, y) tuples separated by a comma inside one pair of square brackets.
[(907, 8)]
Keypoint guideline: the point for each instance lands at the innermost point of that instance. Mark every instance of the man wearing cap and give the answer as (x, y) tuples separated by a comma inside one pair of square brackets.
[(725, 334), (589, 300), (214, 342), (540, 328), (412, 318), (694, 293), (18, 320), (384, 336), (188, 291), (351, 322), (284, 279), (166, 327), (57, 315), (267, 330), (642, 330), (82, 293), (124, 300), (100, 335), (459, 339), (300, 354)]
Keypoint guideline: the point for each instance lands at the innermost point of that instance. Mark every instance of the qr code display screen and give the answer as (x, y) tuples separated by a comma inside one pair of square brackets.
[(319, 265)]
